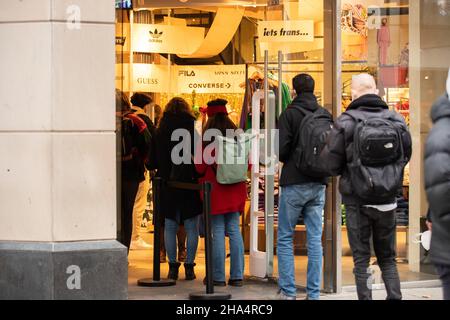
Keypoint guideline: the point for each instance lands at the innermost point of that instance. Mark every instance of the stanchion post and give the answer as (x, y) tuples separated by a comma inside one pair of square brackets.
[(156, 183), (206, 189), (210, 294), (156, 281)]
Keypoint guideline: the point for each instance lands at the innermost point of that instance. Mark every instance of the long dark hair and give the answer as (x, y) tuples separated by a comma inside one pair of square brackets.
[(221, 122), (178, 106)]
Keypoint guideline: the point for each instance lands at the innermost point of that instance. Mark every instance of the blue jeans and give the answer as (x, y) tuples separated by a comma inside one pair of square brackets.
[(307, 200), (221, 225), (170, 238)]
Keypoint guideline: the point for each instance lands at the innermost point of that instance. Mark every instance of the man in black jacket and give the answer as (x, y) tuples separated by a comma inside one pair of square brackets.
[(366, 218), (300, 195), (437, 180)]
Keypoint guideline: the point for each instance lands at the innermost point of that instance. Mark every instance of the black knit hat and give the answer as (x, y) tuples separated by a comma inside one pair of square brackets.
[(303, 83), (217, 103), (141, 100)]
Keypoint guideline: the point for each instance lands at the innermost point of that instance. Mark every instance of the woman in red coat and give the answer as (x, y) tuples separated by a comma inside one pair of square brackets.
[(227, 204)]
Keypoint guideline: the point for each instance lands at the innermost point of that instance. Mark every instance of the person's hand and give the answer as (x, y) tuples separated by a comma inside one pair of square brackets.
[(430, 225)]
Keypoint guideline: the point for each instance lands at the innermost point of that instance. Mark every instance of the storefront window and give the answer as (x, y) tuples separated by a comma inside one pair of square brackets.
[(404, 45), (203, 52)]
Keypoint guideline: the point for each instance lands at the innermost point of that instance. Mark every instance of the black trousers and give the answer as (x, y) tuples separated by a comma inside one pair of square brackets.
[(129, 191), (362, 224), (444, 273)]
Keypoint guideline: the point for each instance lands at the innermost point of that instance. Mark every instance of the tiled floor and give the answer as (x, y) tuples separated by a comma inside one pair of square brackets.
[(141, 267)]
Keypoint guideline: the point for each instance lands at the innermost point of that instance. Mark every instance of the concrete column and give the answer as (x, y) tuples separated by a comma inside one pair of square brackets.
[(58, 163)]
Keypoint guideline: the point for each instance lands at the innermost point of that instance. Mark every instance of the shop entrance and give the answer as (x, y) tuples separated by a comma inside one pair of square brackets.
[(247, 58)]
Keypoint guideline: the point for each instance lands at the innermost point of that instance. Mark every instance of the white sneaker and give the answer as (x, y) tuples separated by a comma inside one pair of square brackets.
[(140, 244), (281, 296)]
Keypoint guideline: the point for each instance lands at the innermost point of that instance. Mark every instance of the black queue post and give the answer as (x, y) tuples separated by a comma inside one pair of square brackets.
[(210, 294), (156, 281)]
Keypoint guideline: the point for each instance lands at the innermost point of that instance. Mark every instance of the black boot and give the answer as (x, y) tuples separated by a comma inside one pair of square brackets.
[(189, 269), (173, 270)]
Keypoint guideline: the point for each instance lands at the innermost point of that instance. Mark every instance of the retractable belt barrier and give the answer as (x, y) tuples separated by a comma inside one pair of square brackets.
[(156, 281), (205, 188)]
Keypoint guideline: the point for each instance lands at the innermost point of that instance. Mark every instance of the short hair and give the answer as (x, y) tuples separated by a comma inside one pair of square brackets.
[(303, 83), (140, 99)]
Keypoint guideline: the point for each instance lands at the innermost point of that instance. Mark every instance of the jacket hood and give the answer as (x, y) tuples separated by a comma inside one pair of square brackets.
[(441, 108), (368, 101), (306, 100)]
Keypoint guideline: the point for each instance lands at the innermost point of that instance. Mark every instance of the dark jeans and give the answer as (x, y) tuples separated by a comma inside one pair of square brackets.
[(444, 274), (362, 224), (129, 191)]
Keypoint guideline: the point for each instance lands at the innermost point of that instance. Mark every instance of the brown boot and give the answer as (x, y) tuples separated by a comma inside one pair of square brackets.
[(181, 237), (162, 247)]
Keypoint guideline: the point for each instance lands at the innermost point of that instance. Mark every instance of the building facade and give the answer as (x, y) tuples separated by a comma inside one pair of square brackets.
[(62, 61)]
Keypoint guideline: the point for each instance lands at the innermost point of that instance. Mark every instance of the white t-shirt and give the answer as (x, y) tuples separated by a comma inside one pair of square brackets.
[(383, 207)]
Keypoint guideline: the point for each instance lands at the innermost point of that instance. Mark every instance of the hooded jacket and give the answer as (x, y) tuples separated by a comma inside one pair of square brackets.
[(289, 124), (338, 153), (187, 203), (437, 180)]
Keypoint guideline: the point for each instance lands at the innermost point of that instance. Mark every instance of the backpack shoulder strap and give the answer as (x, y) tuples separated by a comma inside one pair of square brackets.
[(303, 111), (356, 115)]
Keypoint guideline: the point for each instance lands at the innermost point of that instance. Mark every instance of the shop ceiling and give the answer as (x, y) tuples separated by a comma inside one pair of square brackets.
[(142, 4)]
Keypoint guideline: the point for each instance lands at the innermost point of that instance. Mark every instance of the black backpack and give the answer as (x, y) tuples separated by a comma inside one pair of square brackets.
[(378, 163), (311, 140), (128, 144)]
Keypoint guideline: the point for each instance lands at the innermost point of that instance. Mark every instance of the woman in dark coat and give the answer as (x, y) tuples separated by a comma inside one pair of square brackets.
[(178, 206), (437, 179)]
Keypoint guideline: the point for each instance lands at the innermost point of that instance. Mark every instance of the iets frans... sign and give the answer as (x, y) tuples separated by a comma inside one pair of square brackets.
[(286, 31), (158, 38)]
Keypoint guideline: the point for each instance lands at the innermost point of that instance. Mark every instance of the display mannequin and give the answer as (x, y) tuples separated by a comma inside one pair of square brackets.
[(384, 41)]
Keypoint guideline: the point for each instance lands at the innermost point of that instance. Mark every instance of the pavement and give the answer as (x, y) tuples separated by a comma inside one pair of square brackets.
[(414, 287), (263, 290), (259, 289)]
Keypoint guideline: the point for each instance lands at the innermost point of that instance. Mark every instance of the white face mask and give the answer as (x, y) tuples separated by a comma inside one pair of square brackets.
[(424, 239)]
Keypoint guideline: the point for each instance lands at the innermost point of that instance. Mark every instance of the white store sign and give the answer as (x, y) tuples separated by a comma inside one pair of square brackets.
[(286, 31), (150, 78), (184, 79), (159, 38), (210, 79)]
